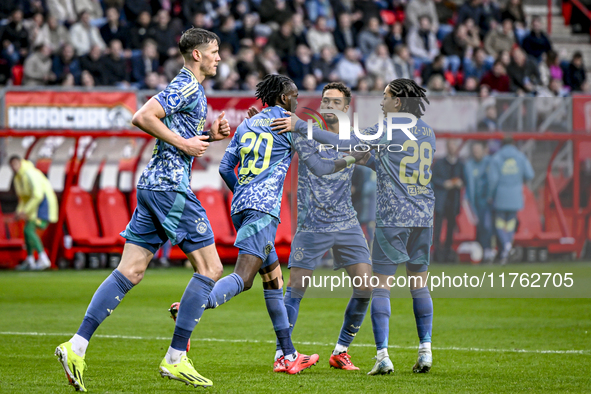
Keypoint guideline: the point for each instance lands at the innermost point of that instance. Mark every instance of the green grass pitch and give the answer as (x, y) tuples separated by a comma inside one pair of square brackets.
[(479, 345)]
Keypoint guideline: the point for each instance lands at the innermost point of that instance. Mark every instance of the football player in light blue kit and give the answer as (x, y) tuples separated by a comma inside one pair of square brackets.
[(167, 210), (327, 220), (507, 172), (404, 217), (263, 158)]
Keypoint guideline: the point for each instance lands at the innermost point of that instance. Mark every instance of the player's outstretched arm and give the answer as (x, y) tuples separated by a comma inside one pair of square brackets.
[(148, 120)]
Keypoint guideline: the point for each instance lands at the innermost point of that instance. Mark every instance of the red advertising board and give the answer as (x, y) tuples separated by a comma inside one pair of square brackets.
[(582, 114), (69, 110)]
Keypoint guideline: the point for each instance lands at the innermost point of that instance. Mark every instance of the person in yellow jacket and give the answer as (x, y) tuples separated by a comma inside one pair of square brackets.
[(37, 206)]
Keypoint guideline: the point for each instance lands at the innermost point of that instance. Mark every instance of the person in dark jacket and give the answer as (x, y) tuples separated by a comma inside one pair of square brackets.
[(113, 29), (536, 43), (575, 76), (448, 180), (523, 72), (146, 62), (67, 63), (114, 65), (497, 79), (345, 36)]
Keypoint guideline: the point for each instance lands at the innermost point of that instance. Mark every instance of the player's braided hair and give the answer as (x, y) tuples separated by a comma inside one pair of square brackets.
[(272, 87), (412, 96)]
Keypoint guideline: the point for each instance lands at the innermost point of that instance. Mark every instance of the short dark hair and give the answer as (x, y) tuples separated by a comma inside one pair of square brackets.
[(577, 55), (195, 37), (272, 87), (14, 157), (341, 87)]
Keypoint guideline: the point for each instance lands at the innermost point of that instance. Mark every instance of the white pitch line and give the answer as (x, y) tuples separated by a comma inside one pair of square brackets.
[(460, 349)]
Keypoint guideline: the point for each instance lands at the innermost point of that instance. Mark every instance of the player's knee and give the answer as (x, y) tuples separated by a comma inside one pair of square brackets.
[(247, 283), (215, 271), (133, 274)]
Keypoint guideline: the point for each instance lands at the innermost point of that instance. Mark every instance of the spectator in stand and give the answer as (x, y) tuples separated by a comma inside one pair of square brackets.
[(87, 80), (324, 67), (83, 35), (575, 76), (16, 34), (508, 170), (269, 62), (490, 16), (144, 63), (497, 79), (192, 7), (37, 67), (227, 64), (246, 63), (174, 65), (300, 65), (505, 58), (395, 37), (93, 7), (319, 36), (114, 29), (363, 85), (422, 43), (62, 10), (446, 10), (437, 67), (299, 29), (550, 68), (345, 35), (141, 31), (470, 85), (320, 8), (247, 29), (523, 72), (250, 83), (536, 43), (370, 37), (53, 34), (379, 64), (164, 36), (309, 83), (365, 10), (403, 64), (455, 46), (227, 32), (471, 9), (472, 34), (67, 64), (499, 40), (478, 66), (33, 26), (114, 66), (514, 12), (349, 69), (275, 11), (418, 8), (283, 41), (91, 62), (437, 84), (448, 181)]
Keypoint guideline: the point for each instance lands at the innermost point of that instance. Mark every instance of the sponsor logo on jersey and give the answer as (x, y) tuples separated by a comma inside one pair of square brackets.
[(201, 226), (173, 100)]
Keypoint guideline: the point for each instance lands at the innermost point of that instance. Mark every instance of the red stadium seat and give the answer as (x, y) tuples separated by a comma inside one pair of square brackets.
[(530, 225), (83, 228), (12, 250), (213, 202), (17, 75), (112, 212), (132, 201)]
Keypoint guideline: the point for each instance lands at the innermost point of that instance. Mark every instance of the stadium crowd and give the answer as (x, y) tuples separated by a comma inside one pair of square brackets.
[(479, 46)]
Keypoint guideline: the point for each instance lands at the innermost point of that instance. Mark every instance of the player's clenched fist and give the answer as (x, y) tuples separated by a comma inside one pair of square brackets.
[(196, 146)]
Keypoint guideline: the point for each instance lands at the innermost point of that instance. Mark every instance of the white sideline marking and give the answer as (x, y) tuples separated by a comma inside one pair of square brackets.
[(461, 349)]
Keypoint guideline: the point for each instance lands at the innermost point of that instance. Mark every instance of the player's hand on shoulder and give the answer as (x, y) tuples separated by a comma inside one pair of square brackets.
[(220, 128), (196, 146), (252, 111), (285, 125)]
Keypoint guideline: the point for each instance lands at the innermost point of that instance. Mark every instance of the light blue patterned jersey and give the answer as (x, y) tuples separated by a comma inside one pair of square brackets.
[(404, 194), (185, 106), (403, 169), (264, 158), (324, 202)]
